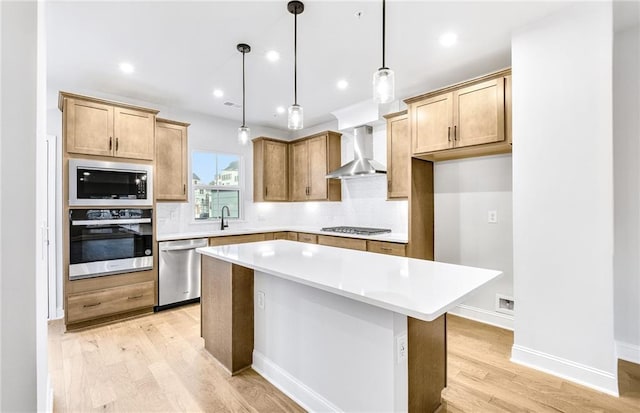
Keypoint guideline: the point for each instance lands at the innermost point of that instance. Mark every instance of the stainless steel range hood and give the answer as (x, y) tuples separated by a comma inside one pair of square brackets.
[(363, 164)]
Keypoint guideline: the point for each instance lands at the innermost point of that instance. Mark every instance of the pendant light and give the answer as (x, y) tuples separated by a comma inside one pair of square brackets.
[(383, 78), (295, 110), (244, 133)]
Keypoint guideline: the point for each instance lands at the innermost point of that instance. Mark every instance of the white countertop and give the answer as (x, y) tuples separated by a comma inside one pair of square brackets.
[(401, 238), (417, 288)]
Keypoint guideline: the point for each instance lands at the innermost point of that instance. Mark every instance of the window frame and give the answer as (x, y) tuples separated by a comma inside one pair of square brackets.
[(240, 187)]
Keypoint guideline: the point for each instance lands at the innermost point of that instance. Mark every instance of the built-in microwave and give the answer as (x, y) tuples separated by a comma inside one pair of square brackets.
[(102, 183)]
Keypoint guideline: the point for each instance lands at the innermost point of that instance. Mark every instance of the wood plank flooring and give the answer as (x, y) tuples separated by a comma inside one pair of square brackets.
[(157, 363)]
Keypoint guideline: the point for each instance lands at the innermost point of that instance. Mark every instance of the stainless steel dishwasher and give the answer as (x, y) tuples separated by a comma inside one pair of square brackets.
[(179, 272)]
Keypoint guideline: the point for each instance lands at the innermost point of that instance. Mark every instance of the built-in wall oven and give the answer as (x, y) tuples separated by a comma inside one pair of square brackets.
[(109, 241)]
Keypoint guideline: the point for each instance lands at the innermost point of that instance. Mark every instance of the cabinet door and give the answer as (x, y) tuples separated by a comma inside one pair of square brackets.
[(398, 157), (479, 113), (432, 121), (275, 173), (171, 162), (88, 127), (134, 134), (299, 171), (317, 168)]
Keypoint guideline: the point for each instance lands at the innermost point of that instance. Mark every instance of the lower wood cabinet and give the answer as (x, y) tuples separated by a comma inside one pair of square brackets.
[(239, 239), (100, 303), (389, 248), (342, 242), (308, 238)]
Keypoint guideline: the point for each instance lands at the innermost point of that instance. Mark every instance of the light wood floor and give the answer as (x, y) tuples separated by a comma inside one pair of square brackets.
[(157, 363)]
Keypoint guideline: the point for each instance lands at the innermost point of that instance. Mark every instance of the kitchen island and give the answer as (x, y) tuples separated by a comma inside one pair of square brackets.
[(336, 329)]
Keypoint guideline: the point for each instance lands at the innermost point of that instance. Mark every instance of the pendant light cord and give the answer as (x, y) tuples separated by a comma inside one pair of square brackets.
[(243, 104), (295, 59), (384, 14)]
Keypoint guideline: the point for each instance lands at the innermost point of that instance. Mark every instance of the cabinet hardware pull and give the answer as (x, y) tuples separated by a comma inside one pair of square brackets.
[(266, 191), (135, 297), (110, 142), (385, 248), (91, 305), (449, 133), (455, 134), (116, 144), (184, 189)]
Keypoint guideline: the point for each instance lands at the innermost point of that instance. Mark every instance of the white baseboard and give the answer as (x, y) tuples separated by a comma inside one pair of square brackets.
[(579, 373), (484, 316), (289, 385), (628, 352)]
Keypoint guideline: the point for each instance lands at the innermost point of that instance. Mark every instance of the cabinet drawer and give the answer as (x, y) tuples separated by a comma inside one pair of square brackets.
[(342, 242), (236, 239), (310, 238), (292, 236), (281, 235), (100, 303), (390, 248)]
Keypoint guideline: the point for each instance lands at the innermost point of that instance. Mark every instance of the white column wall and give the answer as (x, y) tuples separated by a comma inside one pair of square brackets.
[(626, 156), (563, 195), (20, 390)]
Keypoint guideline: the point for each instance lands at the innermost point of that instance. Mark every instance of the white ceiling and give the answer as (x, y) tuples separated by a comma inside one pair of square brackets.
[(183, 50)]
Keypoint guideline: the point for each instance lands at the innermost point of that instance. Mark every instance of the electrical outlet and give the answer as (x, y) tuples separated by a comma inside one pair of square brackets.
[(492, 217), (401, 347), (260, 299)]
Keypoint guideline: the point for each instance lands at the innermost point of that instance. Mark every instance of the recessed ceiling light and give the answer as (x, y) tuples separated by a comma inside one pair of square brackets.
[(448, 39), (126, 67), (218, 93), (280, 109), (273, 56), (342, 84)]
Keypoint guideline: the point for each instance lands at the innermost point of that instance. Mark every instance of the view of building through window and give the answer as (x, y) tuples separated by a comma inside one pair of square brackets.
[(216, 183)]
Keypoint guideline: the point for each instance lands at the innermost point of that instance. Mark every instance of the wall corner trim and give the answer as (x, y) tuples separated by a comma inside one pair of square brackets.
[(628, 352), (579, 373)]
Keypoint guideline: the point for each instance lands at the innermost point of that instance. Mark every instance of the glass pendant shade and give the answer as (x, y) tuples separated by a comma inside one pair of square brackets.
[(244, 134), (295, 116), (383, 85)]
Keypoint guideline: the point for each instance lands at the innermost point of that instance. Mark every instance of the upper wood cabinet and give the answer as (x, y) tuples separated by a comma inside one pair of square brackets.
[(468, 119), (270, 170), (398, 155), (102, 128), (171, 160), (311, 158)]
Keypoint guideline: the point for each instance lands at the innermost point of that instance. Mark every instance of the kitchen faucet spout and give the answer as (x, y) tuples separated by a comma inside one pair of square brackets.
[(224, 225)]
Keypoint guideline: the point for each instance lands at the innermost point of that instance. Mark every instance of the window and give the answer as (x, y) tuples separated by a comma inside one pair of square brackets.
[(216, 183)]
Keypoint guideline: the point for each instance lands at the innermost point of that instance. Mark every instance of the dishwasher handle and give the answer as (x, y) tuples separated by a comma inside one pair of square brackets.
[(185, 247)]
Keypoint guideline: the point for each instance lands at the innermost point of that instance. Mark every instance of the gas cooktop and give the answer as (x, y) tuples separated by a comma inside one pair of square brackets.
[(357, 230)]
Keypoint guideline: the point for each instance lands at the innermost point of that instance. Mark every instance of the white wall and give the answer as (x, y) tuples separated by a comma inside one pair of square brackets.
[(563, 195), (20, 380), (464, 192), (626, 156)]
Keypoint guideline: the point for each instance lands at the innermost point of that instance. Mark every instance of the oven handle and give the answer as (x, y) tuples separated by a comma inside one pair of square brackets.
[(111, 221)]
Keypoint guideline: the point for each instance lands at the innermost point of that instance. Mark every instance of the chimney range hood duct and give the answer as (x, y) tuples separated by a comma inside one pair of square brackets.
[(363, 164)]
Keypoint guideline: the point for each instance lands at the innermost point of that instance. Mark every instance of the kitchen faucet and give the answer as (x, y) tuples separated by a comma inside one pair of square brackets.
[(222, 223)]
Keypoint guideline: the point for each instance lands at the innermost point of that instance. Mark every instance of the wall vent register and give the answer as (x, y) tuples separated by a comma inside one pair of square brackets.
[(357, 230)]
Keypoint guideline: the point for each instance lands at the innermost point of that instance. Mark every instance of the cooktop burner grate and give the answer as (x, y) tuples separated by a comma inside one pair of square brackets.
[(357, 230)]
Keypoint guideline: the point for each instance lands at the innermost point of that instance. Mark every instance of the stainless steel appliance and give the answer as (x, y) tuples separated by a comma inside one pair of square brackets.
[(363, 164), (357, 230), (109, 241), (179, 271), (93, 183)]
